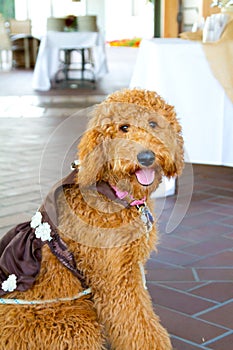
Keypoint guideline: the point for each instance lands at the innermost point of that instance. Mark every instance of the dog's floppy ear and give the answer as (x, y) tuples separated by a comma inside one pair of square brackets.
[(178, 151), (173, 164), (91, 157), (179, 155)]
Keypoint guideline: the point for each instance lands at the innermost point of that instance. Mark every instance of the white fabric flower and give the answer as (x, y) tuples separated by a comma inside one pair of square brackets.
[(36, 220), (10, 284), (43, 232)]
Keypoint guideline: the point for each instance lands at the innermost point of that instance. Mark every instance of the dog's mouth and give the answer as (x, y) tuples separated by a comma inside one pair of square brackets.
[(145, 176)]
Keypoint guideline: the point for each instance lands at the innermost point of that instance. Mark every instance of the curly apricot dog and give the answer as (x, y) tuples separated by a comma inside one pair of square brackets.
[(73, 277)]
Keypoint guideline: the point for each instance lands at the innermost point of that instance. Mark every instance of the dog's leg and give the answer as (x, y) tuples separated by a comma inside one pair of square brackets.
[(127, 313), (68, 325), (62, 326)]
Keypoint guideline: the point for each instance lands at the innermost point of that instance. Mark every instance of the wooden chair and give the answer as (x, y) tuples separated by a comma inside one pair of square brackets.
[(20, 27), (24, 45), (5, 44)]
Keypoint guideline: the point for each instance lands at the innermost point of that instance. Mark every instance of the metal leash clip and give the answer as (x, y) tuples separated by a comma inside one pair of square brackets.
[(75, 164), (146, 217)]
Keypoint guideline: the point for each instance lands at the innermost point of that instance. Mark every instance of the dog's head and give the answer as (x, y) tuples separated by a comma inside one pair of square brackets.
[(132, 140)]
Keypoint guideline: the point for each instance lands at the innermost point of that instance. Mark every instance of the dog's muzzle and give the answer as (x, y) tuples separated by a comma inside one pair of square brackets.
[(146, 158)]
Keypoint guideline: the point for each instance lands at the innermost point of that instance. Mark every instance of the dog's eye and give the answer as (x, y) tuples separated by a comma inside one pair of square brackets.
[(124, 128), (153, 124)]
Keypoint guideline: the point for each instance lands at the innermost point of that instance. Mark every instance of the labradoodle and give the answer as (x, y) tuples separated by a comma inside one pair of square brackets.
[(73, 277)]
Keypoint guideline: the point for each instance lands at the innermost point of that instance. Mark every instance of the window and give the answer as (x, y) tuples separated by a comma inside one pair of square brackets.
[(7, 8)]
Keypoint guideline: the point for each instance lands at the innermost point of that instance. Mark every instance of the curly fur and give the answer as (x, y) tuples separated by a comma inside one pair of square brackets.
[(108, 240)]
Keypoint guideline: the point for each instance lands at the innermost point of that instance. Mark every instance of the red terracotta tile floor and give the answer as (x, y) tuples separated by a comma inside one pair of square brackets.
[(191, 277)]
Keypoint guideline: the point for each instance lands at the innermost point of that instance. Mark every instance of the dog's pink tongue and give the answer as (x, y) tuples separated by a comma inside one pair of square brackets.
[(145, 176)]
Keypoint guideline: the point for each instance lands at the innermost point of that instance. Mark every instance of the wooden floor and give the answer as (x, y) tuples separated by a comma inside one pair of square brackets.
[(190, 279)]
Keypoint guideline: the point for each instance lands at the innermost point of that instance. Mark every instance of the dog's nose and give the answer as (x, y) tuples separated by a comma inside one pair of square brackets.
[(146, 158)]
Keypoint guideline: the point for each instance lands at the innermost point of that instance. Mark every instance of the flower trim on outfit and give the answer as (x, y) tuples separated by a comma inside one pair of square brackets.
[(9, 285), (42, 230), (36, 220)]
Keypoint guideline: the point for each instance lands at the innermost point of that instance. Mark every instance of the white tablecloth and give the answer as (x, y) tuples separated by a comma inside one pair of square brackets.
[(178, 70), (47, 63)]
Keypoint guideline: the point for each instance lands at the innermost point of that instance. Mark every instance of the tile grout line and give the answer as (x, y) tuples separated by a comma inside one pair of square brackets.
[(227, 329), (166, 283), (209, 256), (197, 258), (212, 308), (188, 342), (206, 283), (195, 274), (167, 263), (209, 342), (194, 318), (214, 268), (217, 304)]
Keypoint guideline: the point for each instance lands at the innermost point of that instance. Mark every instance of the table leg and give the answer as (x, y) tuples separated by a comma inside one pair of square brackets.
[(34, 50), (67, 63), (26, 53), (82, 63)]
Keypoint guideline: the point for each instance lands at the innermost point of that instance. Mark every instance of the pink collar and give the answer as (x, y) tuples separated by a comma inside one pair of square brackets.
[(122, 195)]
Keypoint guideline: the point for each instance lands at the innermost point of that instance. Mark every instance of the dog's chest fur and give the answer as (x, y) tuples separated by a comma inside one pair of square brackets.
[(104, 235), (95, 221)]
